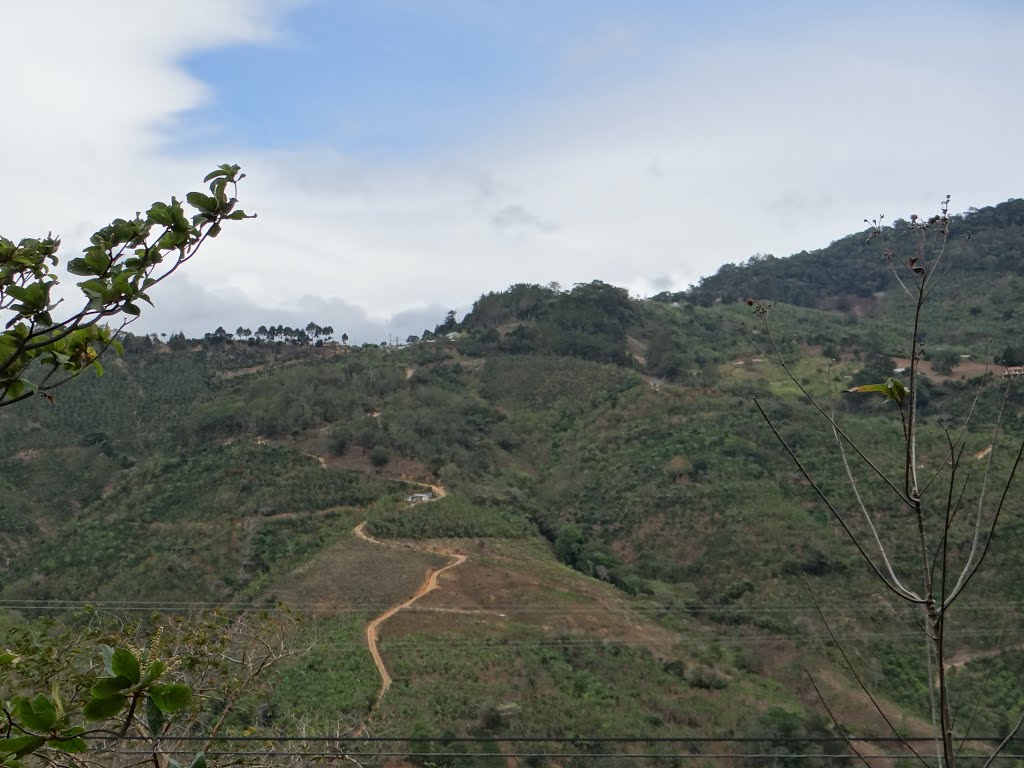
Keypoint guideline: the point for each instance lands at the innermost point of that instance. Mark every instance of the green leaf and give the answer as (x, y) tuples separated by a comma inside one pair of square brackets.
[(106, 687), (123, 662), (219, 190), (72, 744), (95, 288), (45, 711), (893, 389), (37, 714), (215, 174), (154, 717), (18, 292), (101, 709), (199, 761), (161, 213), (97, 261), (97, 367), (181, 223), (154, 671), (19, 746), (7, 658), (172, 697), (201, 202)]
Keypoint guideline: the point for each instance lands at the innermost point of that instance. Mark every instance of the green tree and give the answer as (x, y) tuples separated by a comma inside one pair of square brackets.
[(339, 439), (123, 261), (177, 341), (450, 324), (380, 456), (944, 360), (121, 264)]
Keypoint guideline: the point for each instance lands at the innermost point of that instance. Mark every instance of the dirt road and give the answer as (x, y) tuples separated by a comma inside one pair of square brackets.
[(430, 583)]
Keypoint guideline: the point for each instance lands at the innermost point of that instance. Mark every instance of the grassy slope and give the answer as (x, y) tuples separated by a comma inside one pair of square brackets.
[(676, 493)]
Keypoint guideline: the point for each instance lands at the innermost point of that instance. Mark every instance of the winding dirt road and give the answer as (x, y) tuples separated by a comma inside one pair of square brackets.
[(430, 583)]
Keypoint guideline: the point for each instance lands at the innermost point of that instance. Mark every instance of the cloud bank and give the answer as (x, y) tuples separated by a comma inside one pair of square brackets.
[(648, 166)]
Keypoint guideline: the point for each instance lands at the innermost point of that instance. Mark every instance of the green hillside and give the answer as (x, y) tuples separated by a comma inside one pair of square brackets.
[(639, 546)]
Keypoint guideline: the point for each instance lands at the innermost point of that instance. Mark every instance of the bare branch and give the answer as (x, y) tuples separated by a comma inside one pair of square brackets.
[(835, 512), (781, 361), (898, 586), (975, 560), (1002, 745), (835, 721), (853, 671)]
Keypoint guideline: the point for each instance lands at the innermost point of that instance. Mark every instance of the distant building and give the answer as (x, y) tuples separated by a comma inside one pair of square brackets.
[(416, 498), (1014, 372)]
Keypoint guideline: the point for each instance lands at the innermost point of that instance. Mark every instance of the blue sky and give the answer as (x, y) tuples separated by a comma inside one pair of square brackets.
[(406, 157), (397, 78), (391, 79)]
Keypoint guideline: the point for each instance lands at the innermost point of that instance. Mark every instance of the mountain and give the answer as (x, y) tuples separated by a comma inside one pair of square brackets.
[(628, 548)]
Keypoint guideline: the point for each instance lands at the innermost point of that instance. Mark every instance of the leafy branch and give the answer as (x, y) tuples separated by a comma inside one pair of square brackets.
[(121, 264)]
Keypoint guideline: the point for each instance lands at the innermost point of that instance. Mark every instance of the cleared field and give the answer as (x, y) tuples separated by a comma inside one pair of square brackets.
[(508, 584), (354, 575)]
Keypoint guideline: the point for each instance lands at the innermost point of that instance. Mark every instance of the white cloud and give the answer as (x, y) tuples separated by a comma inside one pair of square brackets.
[(519, 220), (773, 143), (91, 89), (186, 305)]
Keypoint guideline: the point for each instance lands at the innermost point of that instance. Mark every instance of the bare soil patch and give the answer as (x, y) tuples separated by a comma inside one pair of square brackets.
[(429, 585), (503, 584), (966, 370), (354, 575)]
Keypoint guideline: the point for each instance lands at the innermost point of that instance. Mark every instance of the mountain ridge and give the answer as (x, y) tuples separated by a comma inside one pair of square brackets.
[(600, 452)]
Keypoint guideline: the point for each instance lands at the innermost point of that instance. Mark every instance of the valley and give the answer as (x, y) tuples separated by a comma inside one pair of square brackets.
[(617, 558)]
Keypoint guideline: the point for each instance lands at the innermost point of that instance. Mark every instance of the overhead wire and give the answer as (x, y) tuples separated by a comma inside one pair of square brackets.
[(593, 755), (846, 607), (447, 739)]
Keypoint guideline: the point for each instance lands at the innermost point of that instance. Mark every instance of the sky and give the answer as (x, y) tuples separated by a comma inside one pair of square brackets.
[(406, 156)]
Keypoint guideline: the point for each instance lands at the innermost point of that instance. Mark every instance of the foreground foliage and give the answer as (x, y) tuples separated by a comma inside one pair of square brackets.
[(123, 261)]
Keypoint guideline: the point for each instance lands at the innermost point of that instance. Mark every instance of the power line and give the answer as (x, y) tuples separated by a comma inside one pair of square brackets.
[(503, 611), (594, 755), (564, 739), (498, 643), (847, 606)]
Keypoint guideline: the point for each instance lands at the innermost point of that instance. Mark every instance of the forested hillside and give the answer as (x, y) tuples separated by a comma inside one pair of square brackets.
[(638, 547)]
